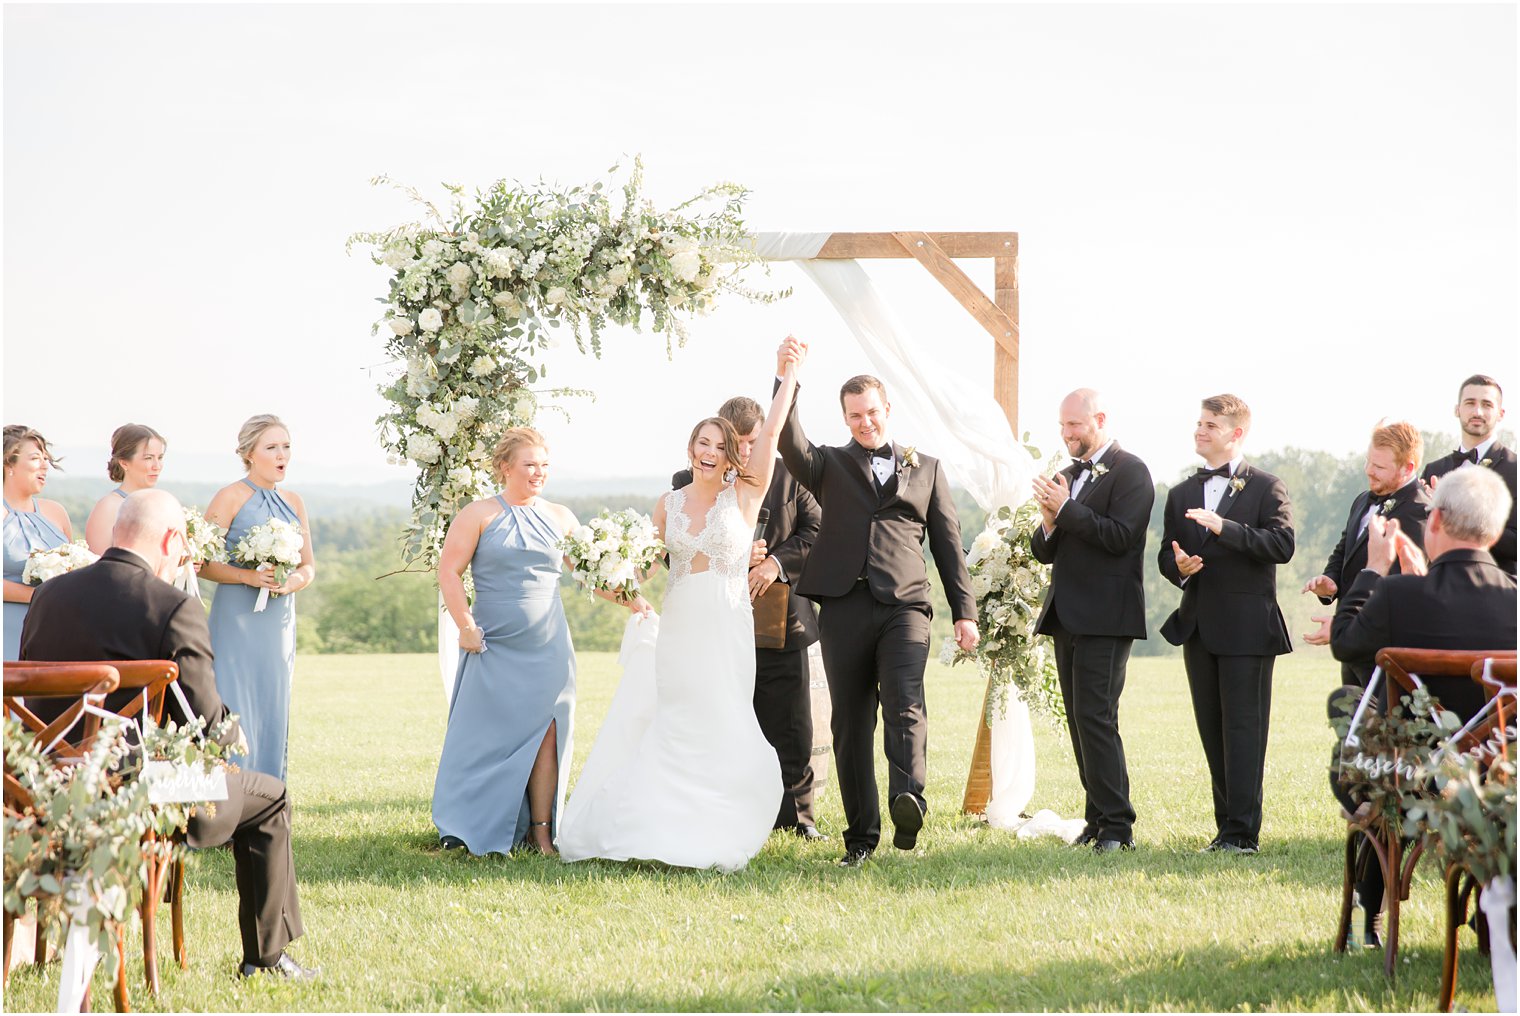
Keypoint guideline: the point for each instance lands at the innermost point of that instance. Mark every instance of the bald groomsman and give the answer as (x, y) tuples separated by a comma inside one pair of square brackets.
[(1094, 515)]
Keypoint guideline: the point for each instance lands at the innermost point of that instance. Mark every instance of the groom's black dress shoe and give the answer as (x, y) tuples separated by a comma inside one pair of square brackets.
[(284, 967), (1111, 846), (809, 833), (1087, 839), (908, 817), (855, 858)]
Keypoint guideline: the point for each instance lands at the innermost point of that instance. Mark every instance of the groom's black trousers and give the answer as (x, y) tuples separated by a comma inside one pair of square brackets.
[(875, 654)]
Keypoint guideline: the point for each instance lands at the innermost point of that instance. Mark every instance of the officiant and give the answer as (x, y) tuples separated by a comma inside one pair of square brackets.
[(790, 520)]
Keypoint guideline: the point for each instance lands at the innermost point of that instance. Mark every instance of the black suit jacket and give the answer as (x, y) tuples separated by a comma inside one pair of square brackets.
[(1465, 602), (1503, 463), (1098, 550), (117, 609), (1232, 603), (878, 535), (1410, 505), (788, 534)]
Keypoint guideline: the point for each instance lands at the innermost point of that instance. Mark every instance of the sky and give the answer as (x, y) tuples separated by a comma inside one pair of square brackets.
[(1311, 206)]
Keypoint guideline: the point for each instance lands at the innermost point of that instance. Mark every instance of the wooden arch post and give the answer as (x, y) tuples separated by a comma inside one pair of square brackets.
[(1000, 316)]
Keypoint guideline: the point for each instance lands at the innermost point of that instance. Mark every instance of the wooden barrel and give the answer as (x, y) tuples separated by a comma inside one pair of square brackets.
[(823, 712)]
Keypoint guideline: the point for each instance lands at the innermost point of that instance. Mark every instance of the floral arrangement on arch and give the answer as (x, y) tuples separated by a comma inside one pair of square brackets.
[(473, 296), (1010, 587)]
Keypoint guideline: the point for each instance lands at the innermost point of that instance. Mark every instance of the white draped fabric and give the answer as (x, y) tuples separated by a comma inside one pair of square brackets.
[(965, 428)]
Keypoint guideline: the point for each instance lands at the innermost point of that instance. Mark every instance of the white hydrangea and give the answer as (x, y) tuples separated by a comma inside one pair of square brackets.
[(618, 277), (465, 408), (500, 262), (460, 274), (685, 265), (423, 448), (555, 296)]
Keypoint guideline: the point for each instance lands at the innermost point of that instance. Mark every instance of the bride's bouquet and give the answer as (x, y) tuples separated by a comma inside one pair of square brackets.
[(208, 541), (610, 552), (42, 565), (274, 546)]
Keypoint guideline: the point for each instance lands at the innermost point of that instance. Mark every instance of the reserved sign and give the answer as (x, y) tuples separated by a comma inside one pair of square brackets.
[(177, 783)]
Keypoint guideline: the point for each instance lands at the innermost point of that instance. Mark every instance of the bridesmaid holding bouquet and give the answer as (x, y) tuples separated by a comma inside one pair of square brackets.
[(255, 643), (30, 523)]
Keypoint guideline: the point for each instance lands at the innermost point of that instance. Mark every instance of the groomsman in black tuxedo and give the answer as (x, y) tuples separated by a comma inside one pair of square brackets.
[(1461, 599), (880, 500), (1393, 492), (1480, 407), (1225, 533), (1094, 515), (783, 680), (124, 607)]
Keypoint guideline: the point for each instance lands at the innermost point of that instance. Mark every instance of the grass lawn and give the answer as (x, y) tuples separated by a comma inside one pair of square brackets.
[(972, 920)]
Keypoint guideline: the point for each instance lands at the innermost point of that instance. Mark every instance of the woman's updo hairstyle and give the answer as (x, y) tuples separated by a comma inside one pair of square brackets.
[(513, 441), (126, 441), (253, 429)]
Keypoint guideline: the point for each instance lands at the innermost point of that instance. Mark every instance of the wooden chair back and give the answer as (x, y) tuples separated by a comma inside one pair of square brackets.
[(82, 682), (149, 677)]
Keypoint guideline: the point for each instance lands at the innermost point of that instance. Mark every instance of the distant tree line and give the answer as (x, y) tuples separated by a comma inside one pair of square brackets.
[(352, 609)]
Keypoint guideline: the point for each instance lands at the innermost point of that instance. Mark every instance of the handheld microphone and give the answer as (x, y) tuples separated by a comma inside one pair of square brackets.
[(760, 521)]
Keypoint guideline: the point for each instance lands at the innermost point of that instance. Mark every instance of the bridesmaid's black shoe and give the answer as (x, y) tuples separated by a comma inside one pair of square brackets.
[(450, 843)]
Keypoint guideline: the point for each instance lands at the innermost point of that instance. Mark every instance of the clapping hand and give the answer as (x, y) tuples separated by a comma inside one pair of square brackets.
[(1051, 495), (1212, 521), (1187, 564), (1320, 585), (1322, 636)]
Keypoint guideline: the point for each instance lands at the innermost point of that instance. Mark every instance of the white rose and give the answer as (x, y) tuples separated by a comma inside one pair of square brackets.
[(401, 325), (430, 320), (618, 277), (555, 296), (508, 304), (459, 274), (482, 366), (462, 476), (686, 264)]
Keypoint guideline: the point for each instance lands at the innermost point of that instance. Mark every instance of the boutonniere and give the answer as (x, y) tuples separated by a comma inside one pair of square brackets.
[(1238, 484), (910, 457), (1387, 507), (1100, 470), (1486, 462)]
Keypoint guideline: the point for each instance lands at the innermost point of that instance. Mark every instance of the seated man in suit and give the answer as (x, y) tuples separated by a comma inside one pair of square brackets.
[(1462, 599), (124, 607)]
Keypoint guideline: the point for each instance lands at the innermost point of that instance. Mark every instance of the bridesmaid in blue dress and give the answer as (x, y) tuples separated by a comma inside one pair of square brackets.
[(256, 651), (31, 523), (501, 776), (137, 457)]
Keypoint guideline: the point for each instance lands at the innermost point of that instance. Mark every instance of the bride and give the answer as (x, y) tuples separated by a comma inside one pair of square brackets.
[(680, 771)]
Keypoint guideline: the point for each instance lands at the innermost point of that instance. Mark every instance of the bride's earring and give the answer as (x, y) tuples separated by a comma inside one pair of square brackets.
[(729, 474)]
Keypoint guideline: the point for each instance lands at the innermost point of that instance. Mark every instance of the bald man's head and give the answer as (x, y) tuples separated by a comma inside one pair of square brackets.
[(151, 524), (1084, 425)]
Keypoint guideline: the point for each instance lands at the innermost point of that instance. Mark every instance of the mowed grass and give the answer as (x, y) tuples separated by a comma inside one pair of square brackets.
[(972, 920)]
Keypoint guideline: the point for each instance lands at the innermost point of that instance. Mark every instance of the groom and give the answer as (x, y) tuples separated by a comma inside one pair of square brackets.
[(867, 574)]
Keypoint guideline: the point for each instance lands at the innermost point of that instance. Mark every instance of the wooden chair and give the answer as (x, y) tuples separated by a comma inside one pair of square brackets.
[(83, 683), (150, 680), (1401, 669), (1489, 739)]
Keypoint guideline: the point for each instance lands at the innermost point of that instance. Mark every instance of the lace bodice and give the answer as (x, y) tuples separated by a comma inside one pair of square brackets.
[(723, 539)]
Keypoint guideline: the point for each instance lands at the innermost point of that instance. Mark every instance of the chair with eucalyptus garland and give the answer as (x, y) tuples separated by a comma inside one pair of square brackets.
[(1487, 741)]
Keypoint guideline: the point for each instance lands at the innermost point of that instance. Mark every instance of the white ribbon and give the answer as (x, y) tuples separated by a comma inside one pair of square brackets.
[(263, 600), (80, 956), (1498, 896)]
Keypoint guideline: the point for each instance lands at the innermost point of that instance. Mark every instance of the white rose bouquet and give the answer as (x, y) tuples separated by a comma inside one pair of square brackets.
[(42, 565), (610, 552), (274, 546), (208, 541)]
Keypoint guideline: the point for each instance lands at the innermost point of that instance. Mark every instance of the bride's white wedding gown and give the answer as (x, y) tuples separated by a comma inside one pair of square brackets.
[(680, 771)]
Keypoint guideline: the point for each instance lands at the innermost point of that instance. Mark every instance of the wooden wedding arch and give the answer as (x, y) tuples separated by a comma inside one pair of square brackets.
[(999, 315)]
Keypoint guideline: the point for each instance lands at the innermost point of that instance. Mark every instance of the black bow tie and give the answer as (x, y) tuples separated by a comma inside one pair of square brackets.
[(1082, 464), (1203, 474), (884, 452), (1471, 456)]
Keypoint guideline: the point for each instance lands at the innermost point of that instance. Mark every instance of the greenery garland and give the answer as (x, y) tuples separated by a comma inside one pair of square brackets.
[(473, 297)]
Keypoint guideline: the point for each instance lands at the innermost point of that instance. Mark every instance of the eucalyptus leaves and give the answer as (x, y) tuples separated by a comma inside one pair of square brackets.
[(472, 298)]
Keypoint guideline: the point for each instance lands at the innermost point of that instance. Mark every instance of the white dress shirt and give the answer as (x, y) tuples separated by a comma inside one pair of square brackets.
[(1081, 481), (1482, 451), (1214, 486)]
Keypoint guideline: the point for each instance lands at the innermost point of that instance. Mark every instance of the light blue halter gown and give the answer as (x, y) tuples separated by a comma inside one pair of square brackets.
[(505, 697), (256, 652), (24, 532)]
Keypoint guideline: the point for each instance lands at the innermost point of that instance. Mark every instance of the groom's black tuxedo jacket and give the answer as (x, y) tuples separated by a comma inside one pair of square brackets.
[(788, 534), (1097, 586), (1502, 461), (1410, 503), (878, 534), (1232, 603)]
